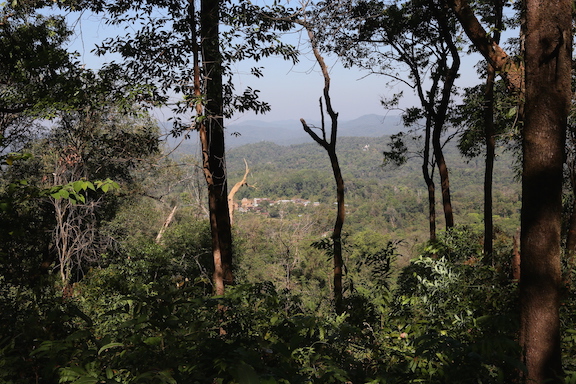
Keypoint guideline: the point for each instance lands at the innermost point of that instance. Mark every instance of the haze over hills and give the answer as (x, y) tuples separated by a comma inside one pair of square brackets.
[(290, 132)]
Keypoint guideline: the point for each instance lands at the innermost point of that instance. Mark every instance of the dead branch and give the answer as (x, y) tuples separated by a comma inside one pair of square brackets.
[(235, 189), (167, 222)]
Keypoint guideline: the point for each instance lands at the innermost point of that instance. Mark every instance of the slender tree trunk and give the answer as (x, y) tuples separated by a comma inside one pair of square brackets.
[(516, 258), (444, 178), (337, 232), (450, 75), (429, 184), (431, 208), (330, 146), (548, 95), (212, 140), (489, 139)]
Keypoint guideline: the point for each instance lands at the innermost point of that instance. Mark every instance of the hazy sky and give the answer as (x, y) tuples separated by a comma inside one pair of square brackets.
[(292, 90)]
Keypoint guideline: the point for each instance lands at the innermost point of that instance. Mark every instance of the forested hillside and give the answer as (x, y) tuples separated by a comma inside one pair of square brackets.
[(386, 198)]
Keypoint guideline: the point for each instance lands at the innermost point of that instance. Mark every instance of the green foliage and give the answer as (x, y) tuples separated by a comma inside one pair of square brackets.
[(10, 158), (388, 200), (73, 190), (157, 55), (40, 78), (471, 116), (457, 244), (29, 316), (461, 314), (397, 153), (176, 337), (36, 72)]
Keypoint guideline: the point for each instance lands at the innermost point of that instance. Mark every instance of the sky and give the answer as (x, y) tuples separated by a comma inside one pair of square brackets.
[(292, 90)]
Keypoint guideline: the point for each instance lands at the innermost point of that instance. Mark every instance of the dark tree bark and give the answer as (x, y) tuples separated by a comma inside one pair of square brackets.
[(330, 146), (548, 96), (490, 140), (435, 113), (211, 129), (440, 112), (571, 231), (427, 172), (432, 59), (444, 178), (512, 72)]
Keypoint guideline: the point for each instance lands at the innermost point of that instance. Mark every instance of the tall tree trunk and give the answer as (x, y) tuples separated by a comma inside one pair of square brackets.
[(212, 140), (337, 232), (548, 95), (329, 144), (450, 74), (489, 139)]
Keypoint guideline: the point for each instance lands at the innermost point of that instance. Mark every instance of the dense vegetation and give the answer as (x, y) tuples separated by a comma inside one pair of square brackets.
[(117, 263), (143, 310)]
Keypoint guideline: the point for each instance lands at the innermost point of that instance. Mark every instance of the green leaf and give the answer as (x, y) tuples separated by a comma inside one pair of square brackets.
[(511, 112), (155, 340), (105, 187), (79, 185), (108, 346), (167, 377)]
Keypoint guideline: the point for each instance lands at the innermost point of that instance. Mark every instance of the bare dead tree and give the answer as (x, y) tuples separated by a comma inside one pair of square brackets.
[(235, 189), (329, 144), (167, 222), (74, 235)]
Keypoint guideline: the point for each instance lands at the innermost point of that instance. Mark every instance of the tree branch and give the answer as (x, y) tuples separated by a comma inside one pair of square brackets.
[(511, 71)]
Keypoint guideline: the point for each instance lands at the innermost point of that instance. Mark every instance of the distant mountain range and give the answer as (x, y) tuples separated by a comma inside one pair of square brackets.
[(290, 132)]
